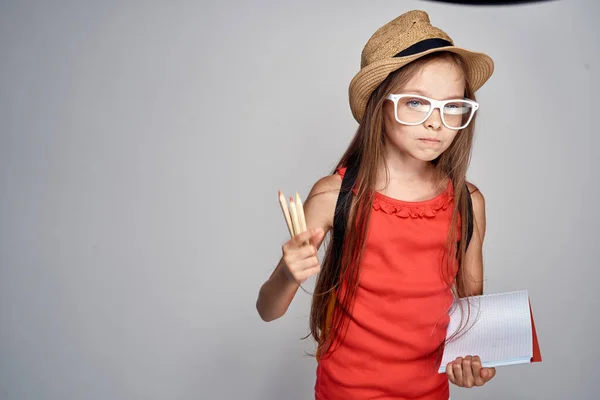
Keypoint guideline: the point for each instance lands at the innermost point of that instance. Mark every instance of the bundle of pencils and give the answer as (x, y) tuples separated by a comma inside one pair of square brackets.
[(293, 214)]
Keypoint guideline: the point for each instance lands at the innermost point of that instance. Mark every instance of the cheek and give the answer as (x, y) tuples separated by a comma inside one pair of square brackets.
[(449, 139), (389, 120), (399, 135)]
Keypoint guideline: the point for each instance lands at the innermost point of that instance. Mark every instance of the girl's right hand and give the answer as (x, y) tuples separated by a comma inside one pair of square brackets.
[(300, 258)]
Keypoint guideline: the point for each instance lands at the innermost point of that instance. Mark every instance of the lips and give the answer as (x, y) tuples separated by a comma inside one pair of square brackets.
[(429, 140)]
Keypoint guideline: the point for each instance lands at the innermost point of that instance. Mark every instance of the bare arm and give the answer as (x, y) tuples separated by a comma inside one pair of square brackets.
[(277, 293), (467, 371), (473, 266)]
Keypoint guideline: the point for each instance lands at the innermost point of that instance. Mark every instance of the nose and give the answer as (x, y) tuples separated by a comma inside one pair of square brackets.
[(434, 121)]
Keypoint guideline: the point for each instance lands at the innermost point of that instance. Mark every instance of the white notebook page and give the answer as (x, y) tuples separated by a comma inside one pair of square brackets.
[(499, 330)]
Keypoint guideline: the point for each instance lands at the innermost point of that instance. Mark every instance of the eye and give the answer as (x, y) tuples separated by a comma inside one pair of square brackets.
[(455, 105), (414, 103), (457, 108)]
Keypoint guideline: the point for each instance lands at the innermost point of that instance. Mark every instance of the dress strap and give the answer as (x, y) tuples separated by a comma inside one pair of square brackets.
[(469, 216)]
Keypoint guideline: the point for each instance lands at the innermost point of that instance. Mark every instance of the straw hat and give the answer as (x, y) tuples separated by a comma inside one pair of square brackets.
[(397, 43)]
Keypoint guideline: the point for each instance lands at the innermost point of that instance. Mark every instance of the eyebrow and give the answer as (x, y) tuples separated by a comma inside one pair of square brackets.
[(422, 93)]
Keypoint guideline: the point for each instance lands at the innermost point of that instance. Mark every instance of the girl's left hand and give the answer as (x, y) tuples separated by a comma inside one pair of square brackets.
[(467, 372)]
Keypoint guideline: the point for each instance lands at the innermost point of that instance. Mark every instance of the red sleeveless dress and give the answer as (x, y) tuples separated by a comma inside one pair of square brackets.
[(400, 315)]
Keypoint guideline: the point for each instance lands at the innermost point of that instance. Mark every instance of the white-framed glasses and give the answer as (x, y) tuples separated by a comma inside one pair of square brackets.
[(412, 109)]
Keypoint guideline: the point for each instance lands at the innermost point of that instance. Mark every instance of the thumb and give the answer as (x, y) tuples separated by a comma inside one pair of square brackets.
[(317, 236), (488, 373)]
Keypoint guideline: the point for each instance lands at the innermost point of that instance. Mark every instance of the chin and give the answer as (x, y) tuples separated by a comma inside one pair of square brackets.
[(426, 156)]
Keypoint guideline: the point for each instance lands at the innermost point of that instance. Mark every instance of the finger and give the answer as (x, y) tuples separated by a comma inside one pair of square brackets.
[(450, 373), (458, 372), (306, 264), (300, 239), (303, 237), (468, 380), (305, 252), (302, 270), (476, 364), (292, 255), (307, 273)]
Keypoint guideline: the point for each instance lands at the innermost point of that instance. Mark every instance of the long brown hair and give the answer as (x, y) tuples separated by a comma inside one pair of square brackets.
[(335, 288)]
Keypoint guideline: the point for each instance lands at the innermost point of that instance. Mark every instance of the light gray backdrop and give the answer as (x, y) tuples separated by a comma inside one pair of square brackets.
[(142, 147)]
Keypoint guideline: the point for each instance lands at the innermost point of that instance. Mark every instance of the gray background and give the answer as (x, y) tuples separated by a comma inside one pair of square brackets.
[(142, 147)]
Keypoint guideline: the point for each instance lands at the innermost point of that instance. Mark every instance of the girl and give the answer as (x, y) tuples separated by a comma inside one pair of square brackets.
[(407, 229)]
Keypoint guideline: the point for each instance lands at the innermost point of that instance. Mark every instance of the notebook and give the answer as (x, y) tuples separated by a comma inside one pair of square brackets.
[(499, 329)]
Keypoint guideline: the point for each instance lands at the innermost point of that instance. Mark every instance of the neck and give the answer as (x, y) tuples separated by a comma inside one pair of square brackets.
[(405, 168)]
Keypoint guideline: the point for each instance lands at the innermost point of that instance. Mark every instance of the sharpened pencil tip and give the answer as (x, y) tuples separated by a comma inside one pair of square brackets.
[(291, 199)]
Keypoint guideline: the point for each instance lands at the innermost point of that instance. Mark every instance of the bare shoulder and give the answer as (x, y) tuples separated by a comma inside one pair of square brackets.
[(319, 206), (478, 207), (476, 196), (327, 184)]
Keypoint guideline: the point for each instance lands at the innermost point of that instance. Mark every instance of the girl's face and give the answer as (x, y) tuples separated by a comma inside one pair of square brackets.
[(438, 80)]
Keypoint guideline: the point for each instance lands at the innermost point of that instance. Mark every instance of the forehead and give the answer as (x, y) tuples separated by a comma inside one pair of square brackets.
[(439, 79)]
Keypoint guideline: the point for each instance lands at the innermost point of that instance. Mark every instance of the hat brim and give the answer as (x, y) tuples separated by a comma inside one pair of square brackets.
[(480, 68)]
